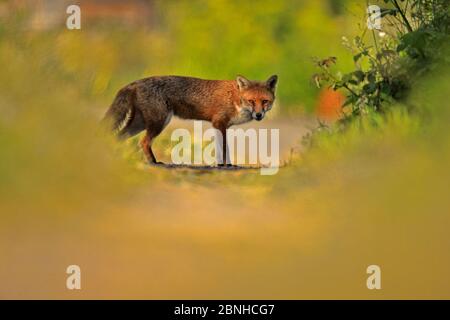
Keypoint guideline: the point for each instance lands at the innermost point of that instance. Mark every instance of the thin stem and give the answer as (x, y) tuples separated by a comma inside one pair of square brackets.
[(350, 90), (375, 41), (405, 20), (329, 74)]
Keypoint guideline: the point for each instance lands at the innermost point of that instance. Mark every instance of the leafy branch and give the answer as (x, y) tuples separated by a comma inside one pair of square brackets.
[(385, 71)]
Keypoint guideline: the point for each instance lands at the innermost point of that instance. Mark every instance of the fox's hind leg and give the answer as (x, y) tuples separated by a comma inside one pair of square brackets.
[(156, 114), (154, 128), (146, 144)]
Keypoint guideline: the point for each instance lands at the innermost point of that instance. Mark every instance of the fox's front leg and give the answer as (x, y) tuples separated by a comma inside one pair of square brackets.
[(222, 150)]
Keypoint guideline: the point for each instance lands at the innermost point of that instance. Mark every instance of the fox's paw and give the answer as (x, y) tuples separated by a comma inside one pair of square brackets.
[(225, 165)]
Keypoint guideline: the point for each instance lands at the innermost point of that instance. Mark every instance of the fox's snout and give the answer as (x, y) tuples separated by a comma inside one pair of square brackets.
[(258, 116)]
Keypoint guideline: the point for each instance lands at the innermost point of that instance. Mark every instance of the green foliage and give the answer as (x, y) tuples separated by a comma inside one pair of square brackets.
[(54, 156), (387, 69)]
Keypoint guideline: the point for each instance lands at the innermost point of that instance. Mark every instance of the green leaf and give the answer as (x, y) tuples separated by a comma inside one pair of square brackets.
[(359, 75), (357, 57), (369, 88), (346, 77), (350, 100)]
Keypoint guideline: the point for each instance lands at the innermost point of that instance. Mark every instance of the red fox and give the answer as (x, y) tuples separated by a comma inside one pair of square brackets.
[(149, 104)]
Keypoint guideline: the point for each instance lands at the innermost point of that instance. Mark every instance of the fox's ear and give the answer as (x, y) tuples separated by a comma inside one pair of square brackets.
[(272, 82), (242, 82)]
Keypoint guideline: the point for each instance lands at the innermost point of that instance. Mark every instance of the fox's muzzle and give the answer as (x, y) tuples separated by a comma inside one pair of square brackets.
[(258, 116)]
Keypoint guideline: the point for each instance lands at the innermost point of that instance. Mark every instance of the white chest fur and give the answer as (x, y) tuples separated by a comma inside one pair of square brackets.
[(242, 116)]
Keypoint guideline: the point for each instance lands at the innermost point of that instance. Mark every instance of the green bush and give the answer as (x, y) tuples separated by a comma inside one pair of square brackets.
[(387, 68)]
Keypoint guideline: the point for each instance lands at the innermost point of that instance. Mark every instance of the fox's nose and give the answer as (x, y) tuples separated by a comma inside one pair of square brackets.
[(258, 116)]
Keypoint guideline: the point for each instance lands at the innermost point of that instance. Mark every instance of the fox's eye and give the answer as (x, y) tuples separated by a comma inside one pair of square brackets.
[(252, 102), (265, 101)]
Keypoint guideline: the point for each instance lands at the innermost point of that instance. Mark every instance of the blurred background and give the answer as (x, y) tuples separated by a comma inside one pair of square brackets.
[(122, 40), (374, 193)]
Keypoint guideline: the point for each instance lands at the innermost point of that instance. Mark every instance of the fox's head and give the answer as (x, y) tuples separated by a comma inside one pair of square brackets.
[(257, 97)]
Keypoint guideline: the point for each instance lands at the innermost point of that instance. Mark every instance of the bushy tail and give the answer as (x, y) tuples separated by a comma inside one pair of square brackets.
[(122, 111)]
